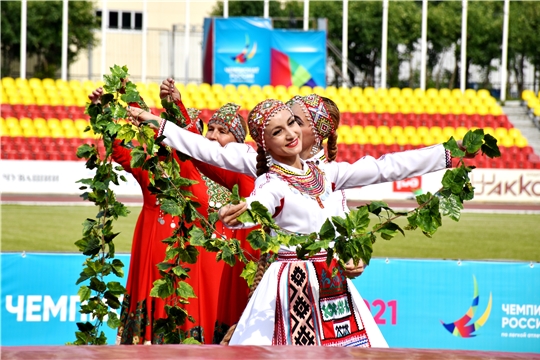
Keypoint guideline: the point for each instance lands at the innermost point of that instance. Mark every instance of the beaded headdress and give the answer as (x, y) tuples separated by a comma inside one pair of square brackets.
[(317, 113), (259, 117), (228, 116), (195, 119)]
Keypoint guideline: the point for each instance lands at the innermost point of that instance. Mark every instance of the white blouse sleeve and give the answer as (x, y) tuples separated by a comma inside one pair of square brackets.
[(389, 167), (237, 157)]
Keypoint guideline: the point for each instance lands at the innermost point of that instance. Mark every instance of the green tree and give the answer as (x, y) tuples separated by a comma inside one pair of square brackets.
[(44, 34)]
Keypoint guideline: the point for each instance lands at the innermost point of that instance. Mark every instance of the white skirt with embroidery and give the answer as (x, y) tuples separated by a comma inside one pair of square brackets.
[(256, 325)]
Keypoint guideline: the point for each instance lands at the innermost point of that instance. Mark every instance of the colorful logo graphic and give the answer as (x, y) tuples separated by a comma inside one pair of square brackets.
[(244, 56), (460, 328)]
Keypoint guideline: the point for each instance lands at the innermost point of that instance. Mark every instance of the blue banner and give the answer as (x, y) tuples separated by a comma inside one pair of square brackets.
[(468, 305), (431, 304), (241, 51), (40, 305), (298, 58)]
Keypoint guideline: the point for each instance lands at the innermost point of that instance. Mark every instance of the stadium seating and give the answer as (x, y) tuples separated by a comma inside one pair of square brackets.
[(45, 120)]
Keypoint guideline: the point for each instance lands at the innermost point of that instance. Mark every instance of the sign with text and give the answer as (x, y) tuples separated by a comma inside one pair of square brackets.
[(432, 304)]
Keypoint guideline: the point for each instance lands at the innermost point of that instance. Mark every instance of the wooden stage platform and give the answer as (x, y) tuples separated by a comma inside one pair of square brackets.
[(166, 352)]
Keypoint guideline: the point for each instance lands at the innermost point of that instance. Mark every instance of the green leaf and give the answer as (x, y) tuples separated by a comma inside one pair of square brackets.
[(327, 231), (249, 272), (246, 218), (473, 140), (185, 290), (113, 322), (196, 236), (375, 207), (490, 148), (453, 147), (84, 293), (97, 285), (227, 255), (451, 206), (113, 128), (190, 341), (359, 219), (163, 288), (138, 156), (171, 207), (189, 254), (106, 99), (257, 239), (126, 133), (389, 230), (116, 288), (180, 272), (85, 151)]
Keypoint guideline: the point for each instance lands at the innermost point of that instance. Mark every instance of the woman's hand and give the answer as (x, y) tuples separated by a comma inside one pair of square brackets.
[(167, 88), (137, 116), (229, 213), (352, 271), (95, 96), (467, 154)]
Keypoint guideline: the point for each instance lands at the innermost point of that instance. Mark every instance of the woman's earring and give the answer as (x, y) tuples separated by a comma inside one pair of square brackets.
[(269, 161)]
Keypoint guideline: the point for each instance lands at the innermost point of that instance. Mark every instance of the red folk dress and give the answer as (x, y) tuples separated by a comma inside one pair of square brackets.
[(233, 289), (139, 309)]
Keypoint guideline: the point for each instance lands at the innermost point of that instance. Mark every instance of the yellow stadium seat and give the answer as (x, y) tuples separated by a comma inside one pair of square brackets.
[(380, 108), (21, 83), (280, 89), (242, 89), (369, 92), (8, 82), (432, 93), (57, 132), (415, 140), (344, 92), (67, 124), (53, 123), (361, 139), (71, 133), (443, 109), (29, 132), (422, 130), (407, 93), (394, 92), (204, 87), (25, 122), (521, 142), (355, 91), (460, 132), (428, 140), (418, 109), (305, 90), (4, 131), (35, 83), (483, 94), (48, 83), (374, 139), (500, 132), (268, 90), (514, 133), (470, 93), (409, 131), (396, 131), (11, 121), (431, 109), (370, 130), (383, 130), (15, 131), (448, 131), (507, 141), (230, 89), (388, 139), (445, 94), (402, 140), (294, 90), (482, 110), (74, 84), (527, 94), (319, 90), (435, 131)]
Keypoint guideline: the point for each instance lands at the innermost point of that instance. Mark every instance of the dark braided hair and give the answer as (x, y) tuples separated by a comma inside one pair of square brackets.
[(262, 167), (333, 109)]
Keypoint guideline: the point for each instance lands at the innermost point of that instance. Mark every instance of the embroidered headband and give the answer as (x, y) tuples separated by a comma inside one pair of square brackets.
[(195, 119), (261, 115), (317, 113), (228, 117)]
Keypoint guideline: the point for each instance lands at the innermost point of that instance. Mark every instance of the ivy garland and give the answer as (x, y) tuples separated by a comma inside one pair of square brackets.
[(346, 238)]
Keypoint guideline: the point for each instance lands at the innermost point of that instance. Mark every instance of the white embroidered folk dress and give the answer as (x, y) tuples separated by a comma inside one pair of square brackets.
[(299, 302)]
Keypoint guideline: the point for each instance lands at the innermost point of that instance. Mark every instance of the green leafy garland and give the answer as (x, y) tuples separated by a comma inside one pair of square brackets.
[(345, 238)]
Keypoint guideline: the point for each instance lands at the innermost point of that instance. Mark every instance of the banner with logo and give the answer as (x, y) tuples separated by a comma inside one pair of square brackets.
[(298, 58), (490, 185), (241, 51), (458, 305), (431, 304)]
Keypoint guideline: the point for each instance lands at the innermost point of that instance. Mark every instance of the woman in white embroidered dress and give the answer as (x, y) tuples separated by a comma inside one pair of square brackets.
[(299, 302)]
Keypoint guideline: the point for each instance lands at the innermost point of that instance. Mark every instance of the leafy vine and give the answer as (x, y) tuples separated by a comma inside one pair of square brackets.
[(345, 238)]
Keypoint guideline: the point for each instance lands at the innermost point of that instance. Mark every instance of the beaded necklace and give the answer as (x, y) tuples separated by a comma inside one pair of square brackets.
[(311, 184)]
